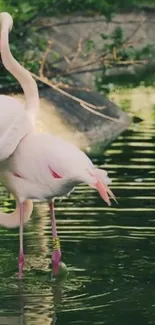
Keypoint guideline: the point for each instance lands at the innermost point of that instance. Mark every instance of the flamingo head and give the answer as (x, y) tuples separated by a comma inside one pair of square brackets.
[(99, 180), (5, 18)]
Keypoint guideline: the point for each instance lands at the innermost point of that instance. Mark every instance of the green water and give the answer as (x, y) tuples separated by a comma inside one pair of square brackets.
[(110, 251)]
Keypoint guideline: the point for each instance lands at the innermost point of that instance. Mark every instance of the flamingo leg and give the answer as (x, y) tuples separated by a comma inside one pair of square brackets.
[(21, 254), (56, 255)]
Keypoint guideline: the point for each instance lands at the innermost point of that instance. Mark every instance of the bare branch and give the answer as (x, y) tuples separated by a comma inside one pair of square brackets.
[(135, 31), (67, 59), (98, 113), (77, 53), (83, 103), (43, 61)]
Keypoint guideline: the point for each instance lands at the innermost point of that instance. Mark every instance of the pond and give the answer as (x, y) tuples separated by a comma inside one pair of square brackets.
[(109, 251)]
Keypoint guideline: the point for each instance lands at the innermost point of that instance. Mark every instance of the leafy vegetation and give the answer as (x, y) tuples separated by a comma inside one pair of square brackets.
[(114, 53), (119, 52), (25, 9)]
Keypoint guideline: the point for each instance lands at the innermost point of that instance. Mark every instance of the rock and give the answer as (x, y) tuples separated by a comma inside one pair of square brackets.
[(65, 117), (94, 129)]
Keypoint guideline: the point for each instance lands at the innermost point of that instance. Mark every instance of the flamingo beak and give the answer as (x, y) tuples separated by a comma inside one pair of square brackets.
[(105, 192)]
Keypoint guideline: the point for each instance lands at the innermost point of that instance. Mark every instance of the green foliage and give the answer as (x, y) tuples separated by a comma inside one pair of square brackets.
[(120, 53), (89, 45), (23, 34), (25, 10)]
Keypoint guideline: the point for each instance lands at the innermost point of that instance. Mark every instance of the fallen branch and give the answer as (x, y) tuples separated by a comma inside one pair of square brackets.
[(63, 85), (98, 113), (83, 103)]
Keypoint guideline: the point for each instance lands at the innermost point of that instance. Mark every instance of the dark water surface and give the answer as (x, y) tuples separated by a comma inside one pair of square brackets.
[(110, 251)]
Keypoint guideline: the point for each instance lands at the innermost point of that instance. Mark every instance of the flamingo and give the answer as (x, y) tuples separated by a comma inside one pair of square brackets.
[(41, 166)]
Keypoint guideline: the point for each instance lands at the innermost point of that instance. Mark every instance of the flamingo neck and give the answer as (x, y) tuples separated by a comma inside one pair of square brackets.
[(23, 76)]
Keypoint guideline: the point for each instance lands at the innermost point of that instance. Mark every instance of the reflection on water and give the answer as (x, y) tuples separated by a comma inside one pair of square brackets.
[(110, 251)]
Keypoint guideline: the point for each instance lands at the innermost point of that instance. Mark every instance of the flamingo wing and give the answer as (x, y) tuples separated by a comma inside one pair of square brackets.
[(14, 125), (41, 157)]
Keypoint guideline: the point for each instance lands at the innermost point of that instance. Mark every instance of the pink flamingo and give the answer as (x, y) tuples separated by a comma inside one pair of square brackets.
[(41, 166)]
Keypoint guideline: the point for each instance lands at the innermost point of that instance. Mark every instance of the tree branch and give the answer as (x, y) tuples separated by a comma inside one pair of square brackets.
[(45, 54), (90, 107)]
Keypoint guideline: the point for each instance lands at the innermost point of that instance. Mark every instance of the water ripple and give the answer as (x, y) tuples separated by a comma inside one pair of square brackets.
[(109, 250)]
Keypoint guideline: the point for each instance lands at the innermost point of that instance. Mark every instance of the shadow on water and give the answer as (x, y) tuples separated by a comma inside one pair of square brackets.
[(109, 250)]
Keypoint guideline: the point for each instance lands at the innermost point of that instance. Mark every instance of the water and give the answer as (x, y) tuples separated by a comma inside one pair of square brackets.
[(110, 251)]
